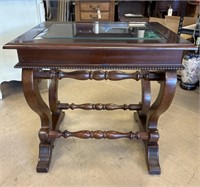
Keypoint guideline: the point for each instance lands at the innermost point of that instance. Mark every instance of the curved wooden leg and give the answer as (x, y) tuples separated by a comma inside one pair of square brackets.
[(36, 103), (150, 115), (45, 152), (146, 96), (57, 115), (163, 100), (161, 104), (140, 116)]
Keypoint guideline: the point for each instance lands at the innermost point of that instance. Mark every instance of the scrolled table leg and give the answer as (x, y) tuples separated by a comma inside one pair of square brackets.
[(149, 121), (36, 103), (57, 114), (146, 96), (161, 104)]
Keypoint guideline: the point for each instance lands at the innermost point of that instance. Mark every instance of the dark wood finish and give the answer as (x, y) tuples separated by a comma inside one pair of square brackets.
[(146, 96), (123, 58), (148, 121), (157, 60), (99, 106), (85, 134), (99, 75)]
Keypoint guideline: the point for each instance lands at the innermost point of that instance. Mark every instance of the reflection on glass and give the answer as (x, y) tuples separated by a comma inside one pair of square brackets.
[(101, 31)]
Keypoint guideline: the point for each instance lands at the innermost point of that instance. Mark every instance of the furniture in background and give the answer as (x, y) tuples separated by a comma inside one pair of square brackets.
[(134, 11), (161, 8), (64, 10), (185, 12), (16, 18), (86, 10), (192, 8), (156, 55)]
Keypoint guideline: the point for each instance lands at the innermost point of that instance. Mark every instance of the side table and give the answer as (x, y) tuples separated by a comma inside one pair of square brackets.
[(49, 48)]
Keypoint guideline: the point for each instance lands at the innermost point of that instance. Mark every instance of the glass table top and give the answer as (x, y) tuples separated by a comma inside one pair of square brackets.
[(100, 31)]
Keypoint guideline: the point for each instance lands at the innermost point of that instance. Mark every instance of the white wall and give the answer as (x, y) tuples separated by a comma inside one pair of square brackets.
[(16, 17)]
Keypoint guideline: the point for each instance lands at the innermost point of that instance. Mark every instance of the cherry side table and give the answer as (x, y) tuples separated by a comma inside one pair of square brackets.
[(99, 51)]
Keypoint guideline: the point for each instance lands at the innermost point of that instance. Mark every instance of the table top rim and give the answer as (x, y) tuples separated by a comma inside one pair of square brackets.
[(26, 41)]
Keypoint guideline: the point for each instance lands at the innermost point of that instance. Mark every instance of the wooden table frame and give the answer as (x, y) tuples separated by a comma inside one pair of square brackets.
[(45, 59)]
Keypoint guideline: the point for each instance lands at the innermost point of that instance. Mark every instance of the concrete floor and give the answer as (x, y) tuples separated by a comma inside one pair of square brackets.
[(95, 163)]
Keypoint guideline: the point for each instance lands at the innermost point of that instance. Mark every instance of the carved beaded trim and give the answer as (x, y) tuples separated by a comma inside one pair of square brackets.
[(101, 68)]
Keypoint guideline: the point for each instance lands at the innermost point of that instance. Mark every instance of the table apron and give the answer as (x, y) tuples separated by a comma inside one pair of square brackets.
[(104, 58)]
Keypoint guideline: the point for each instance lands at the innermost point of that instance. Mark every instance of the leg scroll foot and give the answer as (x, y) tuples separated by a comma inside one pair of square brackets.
[(45, 152), (153, 159), (45, 149), (151, 149)]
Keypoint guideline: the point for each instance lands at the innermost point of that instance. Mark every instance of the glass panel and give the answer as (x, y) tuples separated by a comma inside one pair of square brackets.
[(101, 31)]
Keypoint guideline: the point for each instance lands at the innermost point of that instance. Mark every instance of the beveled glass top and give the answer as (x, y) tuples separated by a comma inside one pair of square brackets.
[(100, 31)]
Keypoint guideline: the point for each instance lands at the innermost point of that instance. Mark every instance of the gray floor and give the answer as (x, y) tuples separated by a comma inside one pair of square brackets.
[(106, 163)]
